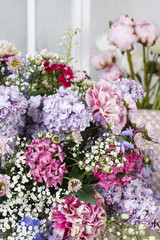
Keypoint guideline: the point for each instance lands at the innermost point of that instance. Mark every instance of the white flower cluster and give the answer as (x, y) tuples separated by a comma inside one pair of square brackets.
[(24, 200), (104, 151)]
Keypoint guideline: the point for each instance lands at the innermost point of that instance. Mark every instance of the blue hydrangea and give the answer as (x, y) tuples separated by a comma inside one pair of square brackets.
[(33, 223), (13, 107)]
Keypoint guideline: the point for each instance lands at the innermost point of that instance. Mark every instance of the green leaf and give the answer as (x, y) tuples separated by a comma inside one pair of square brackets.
[(85, 194)]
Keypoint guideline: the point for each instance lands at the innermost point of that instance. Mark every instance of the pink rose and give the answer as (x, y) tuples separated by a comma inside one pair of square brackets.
[(102, 59), (111, 73), (147, 32), (105, 102), (78, 220), (122, 36)]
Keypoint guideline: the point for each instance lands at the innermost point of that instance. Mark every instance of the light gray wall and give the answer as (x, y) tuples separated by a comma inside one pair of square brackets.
[(52, 17), (13, 25)]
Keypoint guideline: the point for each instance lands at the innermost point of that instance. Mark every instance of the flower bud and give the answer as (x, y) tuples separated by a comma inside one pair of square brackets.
[(55, 139), (48, 135), (40, 135), (89, 83), (131, 231), (151, 238), (141, 226), (124, 216), (141, 232)]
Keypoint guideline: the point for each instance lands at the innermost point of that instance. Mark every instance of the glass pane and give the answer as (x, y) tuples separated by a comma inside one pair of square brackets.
[(52, 17), (13, 23)]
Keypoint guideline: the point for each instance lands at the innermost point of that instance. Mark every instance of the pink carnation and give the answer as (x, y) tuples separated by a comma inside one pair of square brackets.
[(3, 146), (111, 73), (44, 159), (122, 36), (102, 59), (147, 32), (105, 102), (78, 220), (4, 185)]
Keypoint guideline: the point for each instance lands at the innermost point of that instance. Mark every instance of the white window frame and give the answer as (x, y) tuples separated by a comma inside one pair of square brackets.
[(80, 18)]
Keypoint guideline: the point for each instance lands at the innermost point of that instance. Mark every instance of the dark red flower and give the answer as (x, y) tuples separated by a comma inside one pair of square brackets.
[(64, 81)]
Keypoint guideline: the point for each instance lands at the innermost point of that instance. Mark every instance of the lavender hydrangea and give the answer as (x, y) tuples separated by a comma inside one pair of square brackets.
[(13, 107), (125, 85), (64, 112), (135, 199), (34, 123), (50, 233)]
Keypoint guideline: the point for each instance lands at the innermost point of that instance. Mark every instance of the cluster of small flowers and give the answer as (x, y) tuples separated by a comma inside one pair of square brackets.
[(104, 151), (32, 70), (125, 85), (23, 200), (67, 111), (13, 107)]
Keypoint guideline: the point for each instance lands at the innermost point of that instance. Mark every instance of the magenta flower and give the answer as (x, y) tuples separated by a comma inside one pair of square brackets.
[(104, 101), (44, 159), (123, 36), (111, 73), (102, 59), (78, 220), (3, 146), (147, 32), (119, 176), (4, 185)]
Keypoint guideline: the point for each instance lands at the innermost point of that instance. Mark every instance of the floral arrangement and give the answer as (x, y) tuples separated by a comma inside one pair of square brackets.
[(74, 154), (121, 56)]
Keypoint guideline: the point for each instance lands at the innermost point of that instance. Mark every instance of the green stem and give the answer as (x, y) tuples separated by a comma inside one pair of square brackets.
[(67, 178), (145, 79), (69, 49), (72, 165), (156, 99), (72, 159), (130, 64)]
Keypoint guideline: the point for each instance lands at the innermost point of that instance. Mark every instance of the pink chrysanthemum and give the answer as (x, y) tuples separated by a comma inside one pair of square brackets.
[(4, 185), (78, 220), (105, 101), (14, 62), (44, 159), (151, 133), (74, 185), (140, 144)]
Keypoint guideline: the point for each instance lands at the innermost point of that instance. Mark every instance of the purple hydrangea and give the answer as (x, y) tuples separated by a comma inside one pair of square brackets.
[(125, 85), (34, 120), (64, 112), (50, 233), (13, 107), (137, 200)]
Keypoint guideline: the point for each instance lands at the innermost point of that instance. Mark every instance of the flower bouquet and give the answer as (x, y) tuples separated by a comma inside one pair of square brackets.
[(74, 154), (121, 55)]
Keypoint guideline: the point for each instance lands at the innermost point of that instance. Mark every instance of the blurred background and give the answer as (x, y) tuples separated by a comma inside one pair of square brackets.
[(33, 25)]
